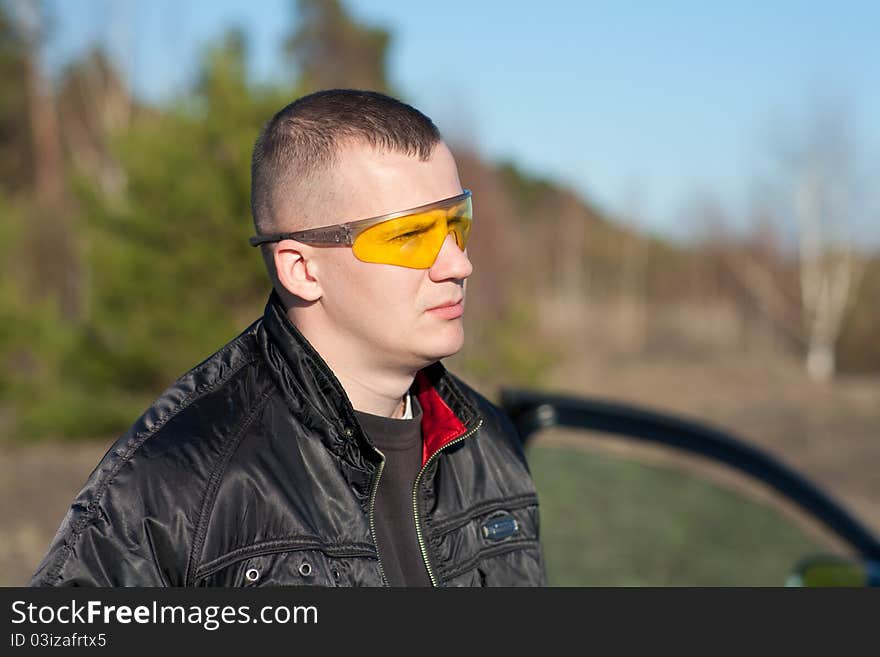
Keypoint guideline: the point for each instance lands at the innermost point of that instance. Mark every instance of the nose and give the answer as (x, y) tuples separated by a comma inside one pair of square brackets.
[(451, 262)]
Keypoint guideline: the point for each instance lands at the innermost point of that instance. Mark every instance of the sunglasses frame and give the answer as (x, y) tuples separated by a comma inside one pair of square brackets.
[(345, 234)]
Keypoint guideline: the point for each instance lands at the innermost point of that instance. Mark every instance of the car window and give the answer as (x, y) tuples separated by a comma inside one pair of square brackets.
[(615, 512)]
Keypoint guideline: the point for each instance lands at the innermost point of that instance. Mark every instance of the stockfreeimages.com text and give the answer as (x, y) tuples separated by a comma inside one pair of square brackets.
[(211, 617)]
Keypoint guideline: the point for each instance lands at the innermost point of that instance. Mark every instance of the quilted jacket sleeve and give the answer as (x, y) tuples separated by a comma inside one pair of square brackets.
[(123, 529)]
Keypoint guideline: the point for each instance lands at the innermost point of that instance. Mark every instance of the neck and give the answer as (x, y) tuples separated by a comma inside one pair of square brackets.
[(370, 387), (377, 397)]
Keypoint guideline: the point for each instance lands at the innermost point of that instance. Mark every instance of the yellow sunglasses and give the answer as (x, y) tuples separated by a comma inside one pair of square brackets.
[(409, 238)]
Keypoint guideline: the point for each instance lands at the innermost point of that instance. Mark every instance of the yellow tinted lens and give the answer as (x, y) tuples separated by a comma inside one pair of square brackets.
[(414, 240)]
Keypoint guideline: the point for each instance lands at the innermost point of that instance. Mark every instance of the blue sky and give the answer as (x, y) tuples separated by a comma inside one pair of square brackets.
[(640, 106)]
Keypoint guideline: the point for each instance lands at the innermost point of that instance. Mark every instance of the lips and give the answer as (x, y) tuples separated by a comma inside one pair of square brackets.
[(449, 310), (448, 304)]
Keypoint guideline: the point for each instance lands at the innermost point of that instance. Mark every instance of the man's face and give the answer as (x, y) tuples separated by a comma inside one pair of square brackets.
[(392, 316)]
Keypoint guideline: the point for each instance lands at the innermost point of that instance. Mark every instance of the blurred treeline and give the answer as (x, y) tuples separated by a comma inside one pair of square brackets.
[(124, 255)]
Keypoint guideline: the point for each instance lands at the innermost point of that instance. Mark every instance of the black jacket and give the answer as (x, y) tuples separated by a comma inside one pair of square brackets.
[(252, 470)]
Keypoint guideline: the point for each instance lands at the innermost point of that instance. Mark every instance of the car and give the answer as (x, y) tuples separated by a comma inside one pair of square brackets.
[(631, 496)]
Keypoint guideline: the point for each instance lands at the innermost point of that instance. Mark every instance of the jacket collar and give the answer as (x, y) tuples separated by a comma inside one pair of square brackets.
[(305, 377)]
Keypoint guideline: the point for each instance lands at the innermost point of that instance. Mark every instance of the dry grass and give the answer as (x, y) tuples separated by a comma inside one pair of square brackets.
[(831, 433)]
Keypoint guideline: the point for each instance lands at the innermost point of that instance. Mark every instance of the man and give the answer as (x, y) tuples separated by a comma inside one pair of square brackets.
[(326, 444)]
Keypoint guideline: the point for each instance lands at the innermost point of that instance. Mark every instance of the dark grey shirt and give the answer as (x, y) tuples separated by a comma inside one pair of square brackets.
[(401, 443)]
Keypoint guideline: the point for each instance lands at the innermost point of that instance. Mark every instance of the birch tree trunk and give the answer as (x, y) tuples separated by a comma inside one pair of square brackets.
[(829, 270)]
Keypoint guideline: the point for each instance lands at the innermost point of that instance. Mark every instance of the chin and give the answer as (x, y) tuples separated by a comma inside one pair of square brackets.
[(444, 348)]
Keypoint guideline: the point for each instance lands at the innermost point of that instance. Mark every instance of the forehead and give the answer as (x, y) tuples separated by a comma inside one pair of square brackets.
[(366, 181)]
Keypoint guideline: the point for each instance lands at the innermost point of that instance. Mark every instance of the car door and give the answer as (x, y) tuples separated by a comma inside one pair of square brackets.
[(632, 497)]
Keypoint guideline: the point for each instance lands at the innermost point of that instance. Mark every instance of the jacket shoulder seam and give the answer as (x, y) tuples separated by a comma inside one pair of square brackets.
[(210, 494), (54, 574)]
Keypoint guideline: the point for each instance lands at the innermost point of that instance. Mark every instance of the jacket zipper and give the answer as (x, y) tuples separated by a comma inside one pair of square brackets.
[(416, 504), (373, 516)]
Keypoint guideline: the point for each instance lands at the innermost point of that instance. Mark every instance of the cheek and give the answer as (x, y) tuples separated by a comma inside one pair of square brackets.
[(346, 288), (382, 294)]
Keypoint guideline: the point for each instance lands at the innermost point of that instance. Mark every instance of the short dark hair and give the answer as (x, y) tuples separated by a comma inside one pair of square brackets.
[(304, 138)]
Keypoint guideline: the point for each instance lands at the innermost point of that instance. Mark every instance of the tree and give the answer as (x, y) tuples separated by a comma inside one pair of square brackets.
[(819, 191), (330, 50), (53, 261), (824, 196), (96, 107), (16, 166)]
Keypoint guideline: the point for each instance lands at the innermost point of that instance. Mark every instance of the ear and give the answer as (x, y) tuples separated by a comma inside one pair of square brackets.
[(297, 270)]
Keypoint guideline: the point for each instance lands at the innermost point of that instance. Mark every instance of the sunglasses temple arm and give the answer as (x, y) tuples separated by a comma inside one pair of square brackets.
[(332, 235)]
